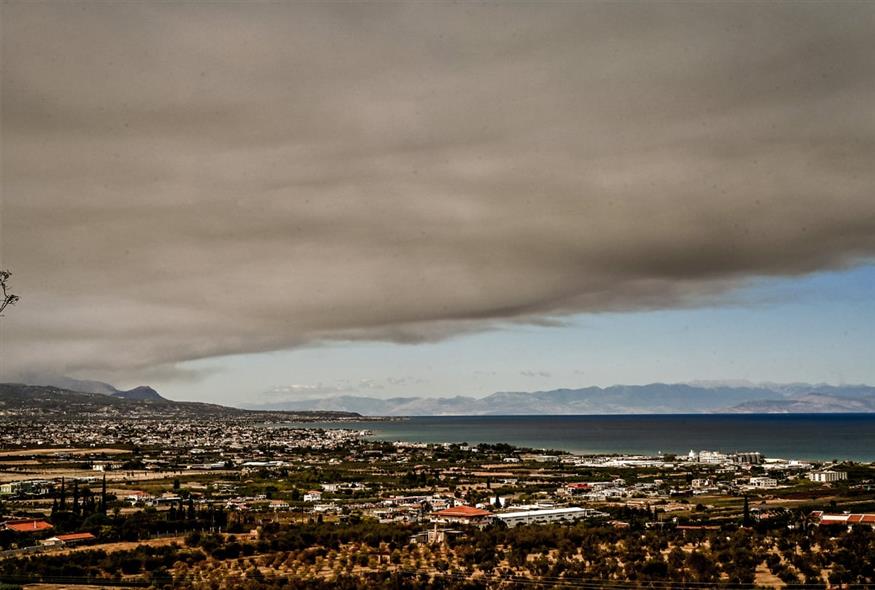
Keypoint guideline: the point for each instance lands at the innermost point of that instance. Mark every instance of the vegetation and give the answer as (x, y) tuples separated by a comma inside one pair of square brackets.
[(366, 554)]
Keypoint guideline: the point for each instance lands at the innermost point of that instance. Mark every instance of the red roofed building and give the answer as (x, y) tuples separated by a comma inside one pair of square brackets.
[(577, 488), (33, 525), (462, 515), (849, 520)]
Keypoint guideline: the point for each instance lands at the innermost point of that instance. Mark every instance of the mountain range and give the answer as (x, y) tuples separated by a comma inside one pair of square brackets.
[(655, 398), (143, 392)]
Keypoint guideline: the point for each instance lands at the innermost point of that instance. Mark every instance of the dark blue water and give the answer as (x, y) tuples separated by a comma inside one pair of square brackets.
[(789, 436)]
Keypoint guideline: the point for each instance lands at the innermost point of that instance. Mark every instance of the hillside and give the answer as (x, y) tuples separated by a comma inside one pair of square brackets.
[(143, 392), (18, 399)]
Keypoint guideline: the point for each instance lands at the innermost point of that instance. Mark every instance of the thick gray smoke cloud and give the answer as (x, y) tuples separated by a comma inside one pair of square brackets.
[(188, 180)]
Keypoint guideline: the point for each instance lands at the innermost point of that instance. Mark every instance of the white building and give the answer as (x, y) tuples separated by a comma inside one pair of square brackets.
[(313, 496), (763, 482), (513, 519), (105, 466), (712, 457), (828, 476), (748, 458)]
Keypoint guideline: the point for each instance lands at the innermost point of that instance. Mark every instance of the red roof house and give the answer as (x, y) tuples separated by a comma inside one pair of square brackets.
[(33, 525), (849, 520), (462, 515)]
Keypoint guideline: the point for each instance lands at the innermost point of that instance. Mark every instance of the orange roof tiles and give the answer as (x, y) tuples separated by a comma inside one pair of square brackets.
[(463, 512), (28, 526), (845, 519)]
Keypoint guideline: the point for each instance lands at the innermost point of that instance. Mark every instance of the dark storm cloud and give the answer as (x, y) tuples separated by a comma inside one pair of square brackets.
[(182, 181)]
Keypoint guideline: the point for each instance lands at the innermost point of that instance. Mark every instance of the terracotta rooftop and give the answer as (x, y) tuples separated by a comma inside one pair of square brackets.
[(463, 512), (844, 518), (28, 526)]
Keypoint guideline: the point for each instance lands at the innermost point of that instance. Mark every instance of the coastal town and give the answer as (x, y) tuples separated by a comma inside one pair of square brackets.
[(101, 484)]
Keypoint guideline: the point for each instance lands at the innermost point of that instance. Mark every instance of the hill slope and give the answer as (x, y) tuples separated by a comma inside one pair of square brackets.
[(17, 399), (143, 392)]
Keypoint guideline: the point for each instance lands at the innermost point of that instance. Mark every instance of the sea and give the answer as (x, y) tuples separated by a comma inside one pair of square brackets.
[(819, 437)]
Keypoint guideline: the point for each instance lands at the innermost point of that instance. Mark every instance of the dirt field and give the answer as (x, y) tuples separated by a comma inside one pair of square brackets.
[(69, 587), (73, 451), (111, 476), (123, 546)]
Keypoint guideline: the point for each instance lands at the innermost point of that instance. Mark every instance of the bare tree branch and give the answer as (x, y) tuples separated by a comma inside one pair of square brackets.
[(6, 299)]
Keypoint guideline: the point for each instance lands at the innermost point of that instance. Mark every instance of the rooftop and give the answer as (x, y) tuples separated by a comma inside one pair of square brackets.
[(28, 526), (463, 511)]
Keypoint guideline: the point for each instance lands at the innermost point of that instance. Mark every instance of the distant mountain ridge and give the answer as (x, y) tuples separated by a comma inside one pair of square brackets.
[(655, 398), (142, 392)]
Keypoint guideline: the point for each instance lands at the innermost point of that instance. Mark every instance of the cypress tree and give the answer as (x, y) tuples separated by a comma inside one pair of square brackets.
[(103, 496), (76, 509), (86, 501)]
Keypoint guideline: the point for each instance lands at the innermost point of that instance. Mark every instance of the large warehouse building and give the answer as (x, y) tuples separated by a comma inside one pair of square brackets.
[(513, 519)]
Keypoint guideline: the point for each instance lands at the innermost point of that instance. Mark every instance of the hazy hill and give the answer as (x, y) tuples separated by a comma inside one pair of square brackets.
[(143, 392), (808, 403), (40, 400), (656, 398), (79, 385)]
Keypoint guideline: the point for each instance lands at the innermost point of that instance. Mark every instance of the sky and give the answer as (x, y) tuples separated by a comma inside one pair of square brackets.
[(255, 202)]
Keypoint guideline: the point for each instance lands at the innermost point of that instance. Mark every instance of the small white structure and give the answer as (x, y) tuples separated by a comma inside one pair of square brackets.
[(763, 482), (711, 457), (105, 466), (702, 483), (828, 476), (313, 496)]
